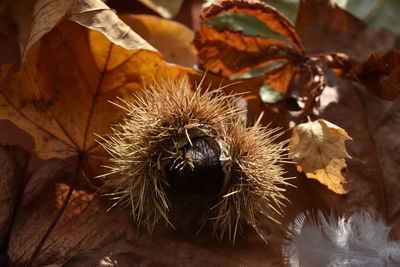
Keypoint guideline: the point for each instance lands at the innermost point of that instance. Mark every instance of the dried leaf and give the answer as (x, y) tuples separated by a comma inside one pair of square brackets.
[(383, 122), (326, 28), (308, 83), (280, 78), (387, 141), (85, 224), (273, 20), (147, 252), (171, 39), (93, 14), (166, 8), (341, 104), (229, 52), (61, 96), (380, 74), (319, 150), (13, 165), (339, 63)]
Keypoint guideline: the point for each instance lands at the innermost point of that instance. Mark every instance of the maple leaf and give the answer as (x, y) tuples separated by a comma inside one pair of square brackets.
[(61, 96), (319, 150)]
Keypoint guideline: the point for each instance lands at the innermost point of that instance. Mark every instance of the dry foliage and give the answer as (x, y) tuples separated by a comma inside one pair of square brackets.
[(80, 56), (319, 150)]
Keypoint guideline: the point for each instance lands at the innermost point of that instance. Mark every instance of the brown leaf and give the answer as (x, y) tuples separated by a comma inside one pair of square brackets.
[(171, 39), (307, 85), (229, 53), (341, 105), (387, 141), (339, 63), (93, 14), (146, 252), (61, 96), (281, 77), (383, 119), (13, 165), (326, 28), (380, 74), (48, 173), (84, 225), (319, 150), (265, 13), (89, 229)]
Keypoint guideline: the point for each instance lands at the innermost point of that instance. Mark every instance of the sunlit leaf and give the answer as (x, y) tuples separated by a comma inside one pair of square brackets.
[(319, 150), (235, 50), (173, 40), (248, 25), (62, 94), (93, 14)]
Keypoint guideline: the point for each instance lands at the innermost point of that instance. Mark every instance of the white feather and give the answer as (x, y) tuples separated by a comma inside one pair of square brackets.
[(360, 240)]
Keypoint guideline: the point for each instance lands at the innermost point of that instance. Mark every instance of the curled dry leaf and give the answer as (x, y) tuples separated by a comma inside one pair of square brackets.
[(380, 74), (307, 85), (93, 14), (171, 39), (319, 150), (231, 53), (61, 96)]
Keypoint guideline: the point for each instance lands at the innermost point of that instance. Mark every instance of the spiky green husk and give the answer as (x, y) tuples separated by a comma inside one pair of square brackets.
[(163, 120)]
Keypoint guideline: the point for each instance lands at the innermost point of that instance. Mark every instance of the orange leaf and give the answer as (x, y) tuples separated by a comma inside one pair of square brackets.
[(171, 39), (280, 78), (229, 52), (62, 94)]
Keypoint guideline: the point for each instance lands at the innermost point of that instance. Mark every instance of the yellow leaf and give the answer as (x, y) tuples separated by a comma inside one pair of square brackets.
[(172, 39), (318, 148), (61, 95)]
